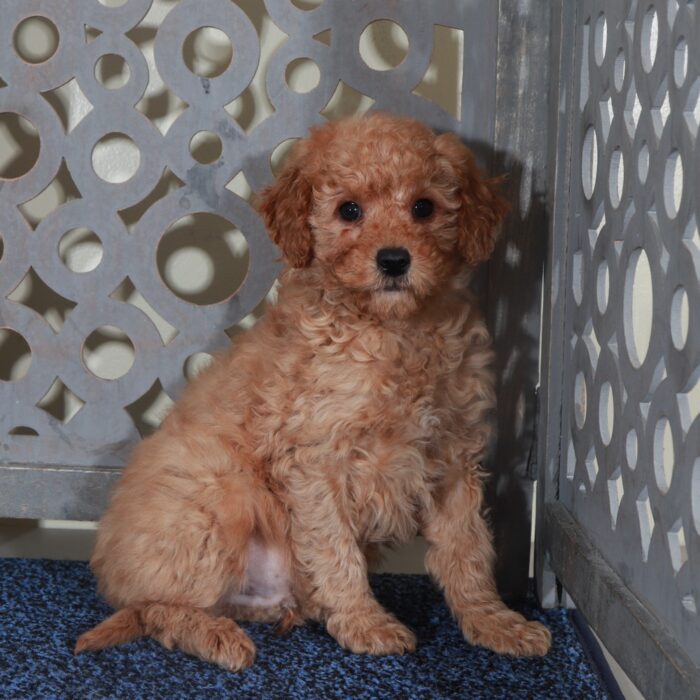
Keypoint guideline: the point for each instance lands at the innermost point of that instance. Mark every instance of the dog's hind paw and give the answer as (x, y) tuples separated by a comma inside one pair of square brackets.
[(228, 646)]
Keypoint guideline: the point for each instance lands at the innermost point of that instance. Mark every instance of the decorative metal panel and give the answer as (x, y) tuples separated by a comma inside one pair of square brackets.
[(630, 451), (61, 406)]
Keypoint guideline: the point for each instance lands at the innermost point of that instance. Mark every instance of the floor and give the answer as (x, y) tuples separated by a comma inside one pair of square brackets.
[(50, 603), (72, 540)]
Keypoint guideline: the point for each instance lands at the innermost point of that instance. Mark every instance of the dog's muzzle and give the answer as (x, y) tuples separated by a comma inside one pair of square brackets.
[(393, 262)]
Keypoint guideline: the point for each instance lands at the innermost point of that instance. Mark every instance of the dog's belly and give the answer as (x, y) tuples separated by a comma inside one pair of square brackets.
[(267, 582)]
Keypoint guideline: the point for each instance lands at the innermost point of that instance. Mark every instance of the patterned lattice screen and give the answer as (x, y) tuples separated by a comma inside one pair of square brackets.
[(631, 433), (143, 126)]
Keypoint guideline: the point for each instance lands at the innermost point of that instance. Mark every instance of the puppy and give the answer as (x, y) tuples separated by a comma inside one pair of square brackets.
[(354, 414)]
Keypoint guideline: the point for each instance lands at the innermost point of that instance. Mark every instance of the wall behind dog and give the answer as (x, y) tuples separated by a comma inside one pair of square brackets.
[(202, 258)]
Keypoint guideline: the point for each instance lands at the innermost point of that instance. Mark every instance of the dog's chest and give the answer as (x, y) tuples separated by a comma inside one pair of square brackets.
[(372, 389), (267, 579), (375, 409)]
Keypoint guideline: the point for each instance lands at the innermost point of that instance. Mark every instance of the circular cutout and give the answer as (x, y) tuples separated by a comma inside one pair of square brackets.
[(589, 162), (695, 494), (203, 259), (619, 70), (279, 155), (617, 177), (112, 71), (23, 430), (207, 52), (16, 356), (580, 396), (20, 145), (577, 276), (36, 39), (206, 147), (680, 62), (663, 454), (650, 39), (638, 300), (115, 158), (643, 163), (673, 184), (108, 352), (600, 39), (603, 286), (196, 363), (80, 250), (680, 317), (571, 461), (302, 75), (631, 447), (307, 5), (383, 45), (606, 413)]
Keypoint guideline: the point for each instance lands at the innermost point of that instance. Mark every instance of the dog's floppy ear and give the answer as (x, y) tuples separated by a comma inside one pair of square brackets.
[(285, 207), (482, 206)]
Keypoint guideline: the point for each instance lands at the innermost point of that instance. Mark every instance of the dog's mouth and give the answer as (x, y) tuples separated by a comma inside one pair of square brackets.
[(394, 298), (394, 286)]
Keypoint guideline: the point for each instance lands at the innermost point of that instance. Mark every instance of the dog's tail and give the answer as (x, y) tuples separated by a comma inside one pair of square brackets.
[(124, 626)]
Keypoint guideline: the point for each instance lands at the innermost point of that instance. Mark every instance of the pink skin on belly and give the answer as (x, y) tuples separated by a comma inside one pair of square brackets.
[(267, 579)]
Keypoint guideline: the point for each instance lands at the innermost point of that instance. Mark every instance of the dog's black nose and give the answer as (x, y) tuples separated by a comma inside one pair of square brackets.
[(393, 262)]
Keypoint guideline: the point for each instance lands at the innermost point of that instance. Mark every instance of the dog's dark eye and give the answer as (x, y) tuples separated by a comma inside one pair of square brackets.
[(422, 209), (350, 211)]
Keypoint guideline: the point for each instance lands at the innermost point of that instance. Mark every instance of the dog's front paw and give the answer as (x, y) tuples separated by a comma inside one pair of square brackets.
[(227, 645), (507, 632), (371, 632)]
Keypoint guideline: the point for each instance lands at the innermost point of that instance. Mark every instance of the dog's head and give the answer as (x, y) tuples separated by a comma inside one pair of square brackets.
[(385, 209)]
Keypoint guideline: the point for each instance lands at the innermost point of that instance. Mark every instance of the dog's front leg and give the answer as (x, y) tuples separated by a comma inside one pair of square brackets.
[(461, 558), (331, 559)]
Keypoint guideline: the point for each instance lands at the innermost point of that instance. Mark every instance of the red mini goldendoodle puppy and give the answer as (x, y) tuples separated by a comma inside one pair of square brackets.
[(354, 413)]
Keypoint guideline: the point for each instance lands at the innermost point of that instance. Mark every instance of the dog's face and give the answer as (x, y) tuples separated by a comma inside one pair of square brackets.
[(385, 209)]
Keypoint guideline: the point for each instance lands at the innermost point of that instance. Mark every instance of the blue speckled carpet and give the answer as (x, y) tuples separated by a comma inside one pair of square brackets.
[(45, 605)]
